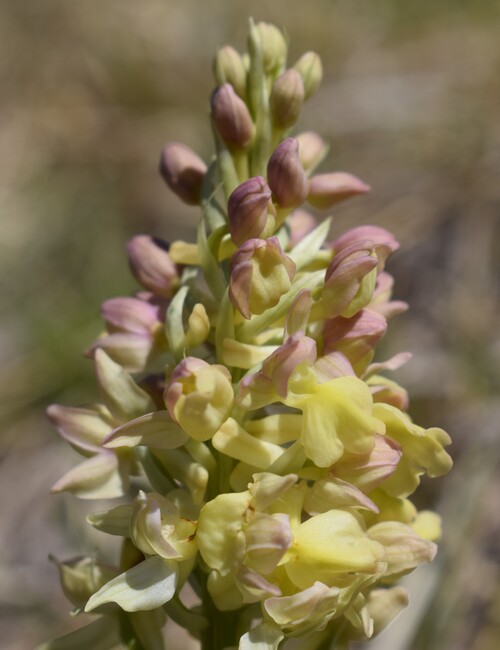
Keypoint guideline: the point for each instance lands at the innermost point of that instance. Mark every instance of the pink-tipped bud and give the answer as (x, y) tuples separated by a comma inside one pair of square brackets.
[(230, 69), (312, 150), (248, 209), (325, 190), (300, 224), (260, 274), (183, 171), (381, 301), (310, 69), (151, 265), (366, 326), (355, 337), (199, 397), (286, 176), (263, 387), (384, 242), (350, 279), (130, 315), (287, 97), (368, 471), (231, 117)]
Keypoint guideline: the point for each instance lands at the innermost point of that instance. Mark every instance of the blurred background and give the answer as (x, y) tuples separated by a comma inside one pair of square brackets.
[(410, 102)]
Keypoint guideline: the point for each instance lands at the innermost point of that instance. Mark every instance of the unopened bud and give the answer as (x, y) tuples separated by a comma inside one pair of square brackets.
[(350, 280), (230, 69), (312, 150), (130, 315), (199, 397), (287, 97), (151, 265), (248, 209), (300, 224), (274, 48), (325, 190), (310, 69), (183, 171), (231, 117), (286, 176), (383, 241), (260, 274)]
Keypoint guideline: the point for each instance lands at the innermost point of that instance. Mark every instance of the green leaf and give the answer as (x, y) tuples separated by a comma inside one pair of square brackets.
[(174, 325), (307, 248), (146, 586)]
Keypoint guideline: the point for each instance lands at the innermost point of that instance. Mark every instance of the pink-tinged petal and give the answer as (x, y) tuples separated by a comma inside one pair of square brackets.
[(332, 366), (152, 266), (300, 224), (386, 391), (254, 586), (394, 363), (381, 300), (286, 176), (99, 477), (332, 492), (183, 171), (349, 281), (83, 428), (368, 471), (156, 430), (133, 352), (130, 315), (325, 190), (384, 242), (312, 150), (281, 364)]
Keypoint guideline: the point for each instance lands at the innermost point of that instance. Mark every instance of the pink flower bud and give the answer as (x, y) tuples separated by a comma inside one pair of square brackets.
[(130, 315), (381, 300), (286, 176), (260, 274), (151, 265), (325, 190), (355, 337), (248, 209), (183, 171), (231, 117), (287, 97), (366, 326), (300, 224), (348, 283), (384, 242), (312, 149)]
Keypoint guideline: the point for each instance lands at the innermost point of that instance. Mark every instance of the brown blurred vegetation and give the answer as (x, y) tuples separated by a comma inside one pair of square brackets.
[(90, 90)]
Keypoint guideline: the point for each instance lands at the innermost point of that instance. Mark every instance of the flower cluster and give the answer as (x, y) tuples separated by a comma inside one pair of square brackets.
[(266, 461)]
